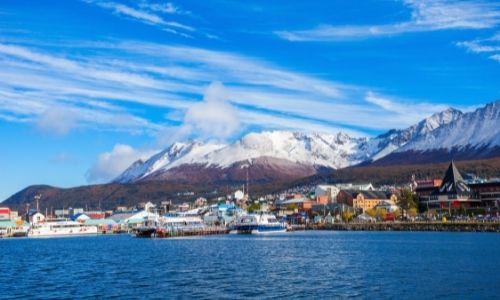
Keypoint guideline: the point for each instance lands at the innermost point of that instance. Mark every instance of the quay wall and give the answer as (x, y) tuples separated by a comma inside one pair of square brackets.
[(410, 226)]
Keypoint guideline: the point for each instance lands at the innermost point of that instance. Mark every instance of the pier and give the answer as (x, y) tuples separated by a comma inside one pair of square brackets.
[(175, 232), (410, 226)]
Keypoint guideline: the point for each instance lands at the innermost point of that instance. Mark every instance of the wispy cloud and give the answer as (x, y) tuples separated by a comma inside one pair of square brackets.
[(168, 8), (410, 110), (127, 93), (145, 13), (489, 46), (425, 16)]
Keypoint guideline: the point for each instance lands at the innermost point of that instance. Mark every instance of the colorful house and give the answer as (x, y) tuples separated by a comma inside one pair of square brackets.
[(364, 200)]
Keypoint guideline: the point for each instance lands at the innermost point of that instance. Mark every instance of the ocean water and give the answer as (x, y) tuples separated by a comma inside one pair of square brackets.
[(313, 265)]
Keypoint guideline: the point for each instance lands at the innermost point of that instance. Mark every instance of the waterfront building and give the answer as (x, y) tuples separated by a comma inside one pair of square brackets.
[(453, 191), (294, 205), (364, 200), (80, 218), (489, 195), (326, 193), (103, 224), (388, 205), (95, 214), (424, 190), (4, 213), (62, 213)]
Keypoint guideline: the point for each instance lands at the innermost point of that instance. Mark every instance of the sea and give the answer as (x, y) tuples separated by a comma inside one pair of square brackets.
[(296, 265)]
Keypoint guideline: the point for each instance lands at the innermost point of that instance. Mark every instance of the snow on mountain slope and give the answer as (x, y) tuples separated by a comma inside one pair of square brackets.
[(321, 150), (334, 151), (477, 129), (394, 139), (309, 151), (175, 155)]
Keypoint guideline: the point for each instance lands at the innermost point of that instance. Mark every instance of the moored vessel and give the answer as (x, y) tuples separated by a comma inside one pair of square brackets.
[(258, 224), (60, 228)]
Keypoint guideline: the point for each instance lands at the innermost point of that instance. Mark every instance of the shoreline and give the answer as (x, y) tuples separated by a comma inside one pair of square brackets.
[(406, 226)]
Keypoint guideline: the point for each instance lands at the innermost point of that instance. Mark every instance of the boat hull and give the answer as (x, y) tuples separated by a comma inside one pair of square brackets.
[(258, 229), (48, 234), (61, 229), (145, 232)]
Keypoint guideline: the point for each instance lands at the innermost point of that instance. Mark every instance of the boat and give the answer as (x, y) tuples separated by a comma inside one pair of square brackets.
[(257, 224), (60, 228), (148, 227)]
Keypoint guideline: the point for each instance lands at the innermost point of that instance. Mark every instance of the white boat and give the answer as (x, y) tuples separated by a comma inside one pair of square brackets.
[(60, 229), (258, 224), (182, 222)]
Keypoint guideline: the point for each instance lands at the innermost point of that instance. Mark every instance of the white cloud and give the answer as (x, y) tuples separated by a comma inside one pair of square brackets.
[(167, 8), (99, 89), (403, 109), (56, 120), (214, 118), (111, 164), (495, 57), (146, 17), (490, 46), (425, 16)]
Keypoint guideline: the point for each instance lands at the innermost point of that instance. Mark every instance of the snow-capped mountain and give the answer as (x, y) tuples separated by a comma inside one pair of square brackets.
[(477, 129), (273, 155), (394, 139), (175, 155)]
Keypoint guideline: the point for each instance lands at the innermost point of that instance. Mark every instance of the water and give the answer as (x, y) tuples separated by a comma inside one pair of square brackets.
[(388, 265)]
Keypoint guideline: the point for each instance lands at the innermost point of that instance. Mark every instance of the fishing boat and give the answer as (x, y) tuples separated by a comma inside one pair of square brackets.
[(60, 228), (258, 224)]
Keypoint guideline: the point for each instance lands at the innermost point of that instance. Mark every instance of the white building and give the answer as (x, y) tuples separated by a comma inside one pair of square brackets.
[(239, 195), (358, 187), (331, 191), (388, 205)]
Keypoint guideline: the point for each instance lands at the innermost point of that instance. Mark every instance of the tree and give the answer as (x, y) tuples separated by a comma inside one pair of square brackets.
[(407, 199), (396, 213), (381, 213), (254, 207), (412, 212), (347, 215), (371, 212)]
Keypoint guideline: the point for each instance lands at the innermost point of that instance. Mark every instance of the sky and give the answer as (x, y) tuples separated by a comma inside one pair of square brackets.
[(87, 87)]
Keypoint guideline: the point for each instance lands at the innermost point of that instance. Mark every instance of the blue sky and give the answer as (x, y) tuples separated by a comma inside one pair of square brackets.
[(87, 87)]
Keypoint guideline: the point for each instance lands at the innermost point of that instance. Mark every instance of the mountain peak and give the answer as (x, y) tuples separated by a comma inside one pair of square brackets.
[(290, 151)]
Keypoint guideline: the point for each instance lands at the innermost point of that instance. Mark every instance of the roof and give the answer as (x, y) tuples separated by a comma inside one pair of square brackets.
[(100, 222), (386, 203), (293, 201), (453, 183), (368, 194), (121, 216), (7, 224)]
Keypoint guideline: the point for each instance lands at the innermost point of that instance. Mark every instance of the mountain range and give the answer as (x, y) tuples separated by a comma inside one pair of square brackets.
[(283, 155), (277, 160)]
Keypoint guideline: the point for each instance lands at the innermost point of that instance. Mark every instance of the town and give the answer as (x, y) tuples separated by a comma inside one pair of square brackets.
[(447, 200)]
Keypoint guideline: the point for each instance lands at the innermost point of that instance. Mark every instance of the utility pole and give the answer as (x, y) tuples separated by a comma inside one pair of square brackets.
[(248, 187), (37, 198)]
